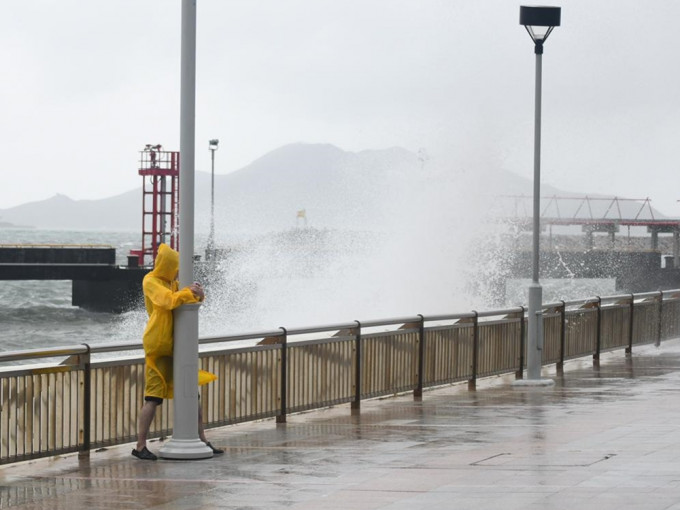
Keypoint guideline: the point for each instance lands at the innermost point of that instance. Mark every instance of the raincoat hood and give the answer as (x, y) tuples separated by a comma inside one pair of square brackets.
[(167, 263)]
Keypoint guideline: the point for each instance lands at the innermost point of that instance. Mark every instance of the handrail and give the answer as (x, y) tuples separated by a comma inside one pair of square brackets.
[(507, 311), (241, 336), (116, 347), (448, 317), (644, 295), (50, 352), (389, 322), (321, 329)]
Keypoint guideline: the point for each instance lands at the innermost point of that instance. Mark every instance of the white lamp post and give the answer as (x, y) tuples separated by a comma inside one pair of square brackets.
[(185, 443), (539, 22)]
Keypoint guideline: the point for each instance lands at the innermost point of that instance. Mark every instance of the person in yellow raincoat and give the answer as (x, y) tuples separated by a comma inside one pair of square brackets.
[(161, 296)]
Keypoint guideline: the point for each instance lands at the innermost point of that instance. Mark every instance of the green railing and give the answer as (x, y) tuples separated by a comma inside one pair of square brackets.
[(84, 397)]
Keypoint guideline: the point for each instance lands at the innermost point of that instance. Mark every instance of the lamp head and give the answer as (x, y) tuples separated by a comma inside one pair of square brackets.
[(539, 22), (213, 144)]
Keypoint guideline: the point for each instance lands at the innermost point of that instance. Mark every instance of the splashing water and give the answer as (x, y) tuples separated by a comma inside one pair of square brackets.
[(415, 241)]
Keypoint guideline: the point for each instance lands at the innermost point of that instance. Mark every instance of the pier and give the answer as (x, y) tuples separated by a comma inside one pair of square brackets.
[(634, 271), (98, 283)]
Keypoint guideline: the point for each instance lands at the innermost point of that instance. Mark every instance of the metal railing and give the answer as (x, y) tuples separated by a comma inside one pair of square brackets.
[(81, 397)]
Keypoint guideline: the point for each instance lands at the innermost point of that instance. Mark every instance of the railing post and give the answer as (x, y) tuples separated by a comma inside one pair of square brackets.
[(356, 403), (629, 349), (522, 330), (598, 338), (563, 337), (418, 392), (658, 336), (281, 418), (472, 383), (87, 406)]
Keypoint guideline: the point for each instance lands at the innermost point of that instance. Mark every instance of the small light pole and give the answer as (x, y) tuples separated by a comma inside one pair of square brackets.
[(212, 145), (539, 22)]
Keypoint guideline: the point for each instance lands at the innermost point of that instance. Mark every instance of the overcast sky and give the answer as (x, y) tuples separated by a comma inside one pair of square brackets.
[(86, 84)]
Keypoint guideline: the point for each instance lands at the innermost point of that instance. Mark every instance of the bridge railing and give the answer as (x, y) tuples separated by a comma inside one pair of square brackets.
[(84, 397)]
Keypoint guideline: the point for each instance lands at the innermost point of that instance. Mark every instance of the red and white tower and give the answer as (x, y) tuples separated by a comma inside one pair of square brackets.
[(160, 201)]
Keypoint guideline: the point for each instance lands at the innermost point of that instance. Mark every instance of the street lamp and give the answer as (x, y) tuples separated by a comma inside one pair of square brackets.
[(539, 22), (212, 145), (185, 442)]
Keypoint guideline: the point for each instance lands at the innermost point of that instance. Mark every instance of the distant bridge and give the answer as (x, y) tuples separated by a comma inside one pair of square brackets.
[(592, 214), (565, 208)]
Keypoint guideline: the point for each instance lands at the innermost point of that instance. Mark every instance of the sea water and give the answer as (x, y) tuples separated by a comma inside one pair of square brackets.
[(287, 278), (36, 314)]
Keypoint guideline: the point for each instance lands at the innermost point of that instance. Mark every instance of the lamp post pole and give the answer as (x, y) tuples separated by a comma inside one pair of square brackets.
[(534, 352), (185, 443), (539, 22), (213, 144)]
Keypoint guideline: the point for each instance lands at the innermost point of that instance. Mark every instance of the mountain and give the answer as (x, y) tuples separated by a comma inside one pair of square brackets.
[(120, 212), (330, 184), (365, 190), (336, 189)]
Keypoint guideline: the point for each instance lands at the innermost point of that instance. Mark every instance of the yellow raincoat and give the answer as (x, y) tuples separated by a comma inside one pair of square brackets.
[(161, 297)]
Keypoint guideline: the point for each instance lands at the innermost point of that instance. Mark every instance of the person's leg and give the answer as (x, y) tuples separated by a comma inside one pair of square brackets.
[(201, 432), (146, 416)]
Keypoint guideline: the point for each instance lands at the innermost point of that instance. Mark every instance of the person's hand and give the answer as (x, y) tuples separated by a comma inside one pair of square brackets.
[(197, 291)]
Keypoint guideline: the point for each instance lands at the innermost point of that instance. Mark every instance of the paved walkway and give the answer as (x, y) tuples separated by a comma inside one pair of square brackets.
[(606, 438)]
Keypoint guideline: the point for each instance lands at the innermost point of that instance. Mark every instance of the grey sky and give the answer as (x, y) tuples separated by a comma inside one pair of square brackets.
[(87, 84)]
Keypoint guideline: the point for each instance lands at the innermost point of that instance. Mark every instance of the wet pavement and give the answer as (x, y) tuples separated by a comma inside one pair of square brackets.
[(600, 438)]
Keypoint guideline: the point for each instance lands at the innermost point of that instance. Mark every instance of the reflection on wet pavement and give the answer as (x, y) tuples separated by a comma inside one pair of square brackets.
[(602, 437)]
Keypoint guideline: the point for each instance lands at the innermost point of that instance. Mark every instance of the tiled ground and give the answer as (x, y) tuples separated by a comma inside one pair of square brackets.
[(601, 439)]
